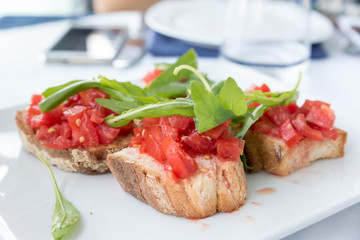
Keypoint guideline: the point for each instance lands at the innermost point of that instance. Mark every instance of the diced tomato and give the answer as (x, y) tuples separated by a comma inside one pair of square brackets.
[(73, 101), (45, 119), (277, 115), (88, 96), (289, 134), (46, 133), (227, 135), (139, 131), (263, 88), (326, 132), (153, 140), (229, 149), (321, 116), (291, 108), (88, 135), (151, 76), (149, 122), (170, 131), (136, 141), (96, 116), (179, 122), (199, 143), (59, 143), (300, 125), (264, 125), (32, 111), (182, 164), (36, 99), (106, 134), (216, 132)]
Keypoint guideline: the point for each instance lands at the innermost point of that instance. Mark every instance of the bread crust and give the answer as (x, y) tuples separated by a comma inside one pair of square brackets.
[(216, 186), (272, 154), (88, 161)]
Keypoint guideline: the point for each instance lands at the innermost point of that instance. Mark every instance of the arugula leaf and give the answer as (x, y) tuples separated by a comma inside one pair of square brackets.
[(162, 66), (118, 106), (166, 77), (65, 214), (257, 113), (52, 90), (232, 97), (207, 108), (216, 87), (180, 106), (172, 90)]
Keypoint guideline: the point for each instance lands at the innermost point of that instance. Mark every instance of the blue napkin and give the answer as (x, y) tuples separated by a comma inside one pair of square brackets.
[(161, 45), (18, 21)]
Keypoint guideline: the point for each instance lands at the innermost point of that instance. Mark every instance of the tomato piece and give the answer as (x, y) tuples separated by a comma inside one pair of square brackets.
[(182, 164), (199, 143), (139, 131), (301, 126), (180, 122), (228, 149), (96, 116), (149, 122), (45, 119), (36, 99), (216, 132), (264, 125), (227, 135), (289, 134), (170, 131), (291, 108), (263, 88), (153, 139), (73, 100), (88, 96), (59, 143), (136, 141), (88, 134), (46, 133), (31, 112), (151, 76), (106, 134), (321, 116), (326, 132), (277, 115)]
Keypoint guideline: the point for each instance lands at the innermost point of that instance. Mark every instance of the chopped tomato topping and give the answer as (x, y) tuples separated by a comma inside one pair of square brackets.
[(151, 76), (314, 120), (289, 134), (263, 88), (181, 163), (175, 142), (80, 121), (300, 125)]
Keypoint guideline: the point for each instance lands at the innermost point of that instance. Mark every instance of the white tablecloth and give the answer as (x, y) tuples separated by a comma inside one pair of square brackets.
[(335, 80)]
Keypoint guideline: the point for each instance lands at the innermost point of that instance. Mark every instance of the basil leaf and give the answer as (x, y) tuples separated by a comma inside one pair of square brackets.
[(166, 77), (207, 108), (257, 113), (65, 214), (183, 107), (52, 90), (117, 106), (232, 97)]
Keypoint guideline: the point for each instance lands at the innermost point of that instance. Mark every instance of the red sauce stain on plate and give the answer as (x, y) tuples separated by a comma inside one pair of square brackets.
[(204, 226), (289, 180), (248, 219), (257, 204), (266, 191), (194, 220)]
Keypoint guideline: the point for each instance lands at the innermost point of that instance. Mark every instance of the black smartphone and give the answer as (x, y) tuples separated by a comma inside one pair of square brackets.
[(88, 45)]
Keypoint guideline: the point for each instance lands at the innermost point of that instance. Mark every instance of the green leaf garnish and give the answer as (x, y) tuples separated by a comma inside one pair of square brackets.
[(232, 97), (65, 214), (166, 77), (207, 108), (257, 113)]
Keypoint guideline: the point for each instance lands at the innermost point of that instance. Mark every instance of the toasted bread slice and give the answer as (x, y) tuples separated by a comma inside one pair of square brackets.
[(88, 161), (216, 186), (264, 151)]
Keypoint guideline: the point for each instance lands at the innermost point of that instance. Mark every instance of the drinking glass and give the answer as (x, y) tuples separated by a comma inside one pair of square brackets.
[(267, 33)]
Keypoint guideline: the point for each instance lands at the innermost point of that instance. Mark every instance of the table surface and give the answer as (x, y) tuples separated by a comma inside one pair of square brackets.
[(334, 79)]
